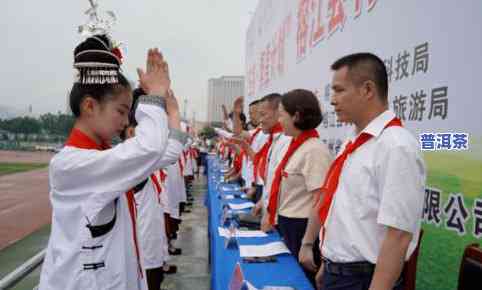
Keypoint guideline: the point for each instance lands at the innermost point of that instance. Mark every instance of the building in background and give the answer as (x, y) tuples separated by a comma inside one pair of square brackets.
[(223, 91)]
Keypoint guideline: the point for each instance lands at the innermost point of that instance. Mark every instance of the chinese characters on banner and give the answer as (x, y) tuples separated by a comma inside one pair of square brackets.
[(421, 104), (454, 214), (271, 63), (319, 19)]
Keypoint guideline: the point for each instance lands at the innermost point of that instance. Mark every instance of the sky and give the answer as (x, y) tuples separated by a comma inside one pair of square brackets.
[(200, 39)]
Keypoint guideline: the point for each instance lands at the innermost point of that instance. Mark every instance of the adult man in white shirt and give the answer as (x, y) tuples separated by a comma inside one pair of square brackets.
[(275, 147), (251, 142), (372, 225)]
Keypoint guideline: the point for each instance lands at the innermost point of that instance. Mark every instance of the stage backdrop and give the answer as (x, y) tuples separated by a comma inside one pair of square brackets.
[(433, 52)]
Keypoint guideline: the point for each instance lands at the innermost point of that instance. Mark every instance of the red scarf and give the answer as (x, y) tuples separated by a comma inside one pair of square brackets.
[(238, 161), (79, 139), (163, 176), (276, 184), (181, 167), (333, 175), (259, 161), (256, 132), (157, 184), (193, 153), (158, 187), (133, 213)]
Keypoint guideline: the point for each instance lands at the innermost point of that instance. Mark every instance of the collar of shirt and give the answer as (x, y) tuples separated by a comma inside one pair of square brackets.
[(376, 126), (79, 139)]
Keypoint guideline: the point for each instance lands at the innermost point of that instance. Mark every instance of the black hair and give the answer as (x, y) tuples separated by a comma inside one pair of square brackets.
[(273, 99), (132, 114), (363, 67), (306, 104), (136, 93), (242, 117), (95, 48)]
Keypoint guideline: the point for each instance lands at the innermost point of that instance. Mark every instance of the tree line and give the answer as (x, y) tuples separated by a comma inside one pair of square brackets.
[(54, 124)]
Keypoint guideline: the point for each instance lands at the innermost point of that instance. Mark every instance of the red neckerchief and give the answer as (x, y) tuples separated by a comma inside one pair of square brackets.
[(261, 156), (133, 213), (79, 139), (193, 153), (276, 184), (163, 176), (250, 142), (256, 132), (158, 187), (333, 175), (238, 161), (181, 166)]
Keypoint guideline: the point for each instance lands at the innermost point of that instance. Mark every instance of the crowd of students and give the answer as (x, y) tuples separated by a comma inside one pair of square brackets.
[(353, 219)]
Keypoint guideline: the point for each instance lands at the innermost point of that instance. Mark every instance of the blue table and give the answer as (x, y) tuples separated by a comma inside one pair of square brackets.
[(284, 272)]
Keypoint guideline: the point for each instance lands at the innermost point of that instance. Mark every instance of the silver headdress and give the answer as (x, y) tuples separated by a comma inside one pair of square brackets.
[(98, 22), (98, 66)]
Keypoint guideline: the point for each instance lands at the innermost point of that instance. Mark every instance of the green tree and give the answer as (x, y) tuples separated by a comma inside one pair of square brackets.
[(57, 124), (21, 125), (207, 132)]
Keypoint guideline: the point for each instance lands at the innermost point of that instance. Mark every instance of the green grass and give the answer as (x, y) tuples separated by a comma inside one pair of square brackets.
[(9, 168), (442, 249), (455, 172)]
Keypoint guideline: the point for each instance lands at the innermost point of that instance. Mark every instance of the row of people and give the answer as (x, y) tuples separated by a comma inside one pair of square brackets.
[(351, 219)]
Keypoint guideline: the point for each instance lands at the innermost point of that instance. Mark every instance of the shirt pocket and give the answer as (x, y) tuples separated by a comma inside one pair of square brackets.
[(292, 177)]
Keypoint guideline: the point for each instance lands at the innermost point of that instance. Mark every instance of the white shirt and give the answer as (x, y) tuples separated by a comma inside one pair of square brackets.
[(223, 133), (85, 188), (247, 167), (381, 184), (276, 152), (175, 190), (150, 226), (258, 143), (188, 163)]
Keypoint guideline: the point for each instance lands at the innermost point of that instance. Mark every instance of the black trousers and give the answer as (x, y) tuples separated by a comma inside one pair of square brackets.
[(154, 278), (292, 230), (259, 193), (359, 281)]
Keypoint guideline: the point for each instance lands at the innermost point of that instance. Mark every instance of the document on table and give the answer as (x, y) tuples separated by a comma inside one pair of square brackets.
[(224, 232), (270, 249), (243, 205), (231, 196)]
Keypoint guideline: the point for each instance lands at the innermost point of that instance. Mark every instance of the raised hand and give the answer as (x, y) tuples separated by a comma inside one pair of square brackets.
[(225, 112), (172, 110), (238, 105), (155, 80)]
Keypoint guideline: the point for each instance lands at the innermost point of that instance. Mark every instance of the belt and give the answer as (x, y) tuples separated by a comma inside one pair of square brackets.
[(348, 269)]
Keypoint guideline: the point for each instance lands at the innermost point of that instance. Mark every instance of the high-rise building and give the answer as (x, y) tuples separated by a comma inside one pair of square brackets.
[(223, 91)]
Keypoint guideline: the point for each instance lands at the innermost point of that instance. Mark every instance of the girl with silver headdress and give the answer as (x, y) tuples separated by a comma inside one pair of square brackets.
[(93, 242)]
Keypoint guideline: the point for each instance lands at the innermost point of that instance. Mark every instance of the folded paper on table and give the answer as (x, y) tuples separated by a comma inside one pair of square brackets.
[(270, 249), (224, 232), (244, 205)]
